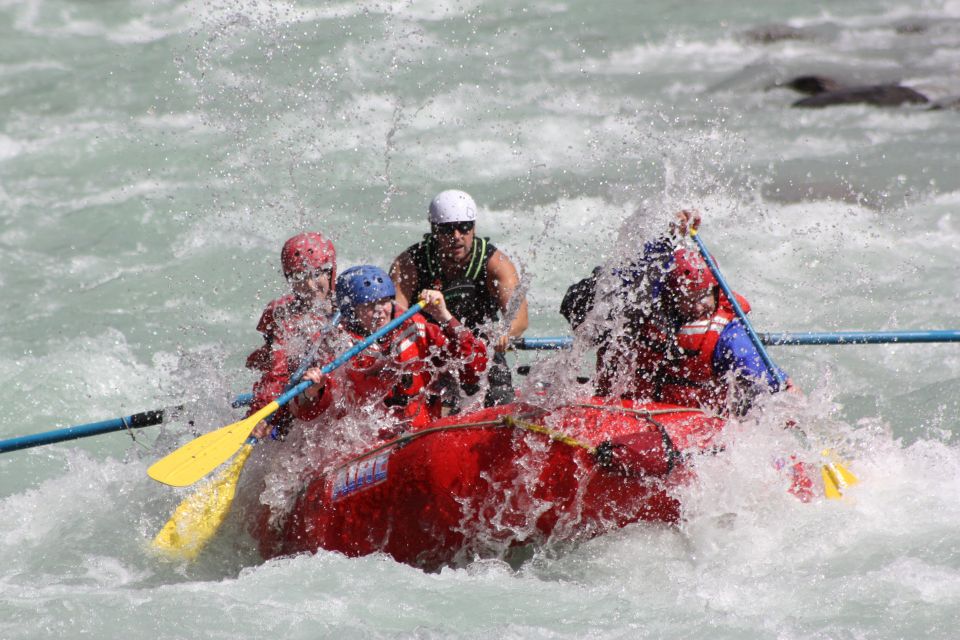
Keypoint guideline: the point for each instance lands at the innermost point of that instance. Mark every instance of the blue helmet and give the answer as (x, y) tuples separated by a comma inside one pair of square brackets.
[(360, 285)]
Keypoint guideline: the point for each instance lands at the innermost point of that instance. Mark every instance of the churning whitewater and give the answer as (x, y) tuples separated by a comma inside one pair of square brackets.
[(155, 155)]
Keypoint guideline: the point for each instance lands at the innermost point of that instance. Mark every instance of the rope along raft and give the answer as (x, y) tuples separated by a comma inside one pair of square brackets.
[(522, 423)]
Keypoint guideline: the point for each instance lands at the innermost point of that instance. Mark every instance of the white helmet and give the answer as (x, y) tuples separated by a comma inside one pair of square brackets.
[(452, 206)]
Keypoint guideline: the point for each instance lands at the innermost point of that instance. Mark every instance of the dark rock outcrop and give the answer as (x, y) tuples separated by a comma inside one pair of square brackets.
[(812, 85), (826, 92), (878, 95)]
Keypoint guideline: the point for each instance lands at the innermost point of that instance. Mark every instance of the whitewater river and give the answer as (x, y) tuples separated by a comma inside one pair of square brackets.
[(155, 154)]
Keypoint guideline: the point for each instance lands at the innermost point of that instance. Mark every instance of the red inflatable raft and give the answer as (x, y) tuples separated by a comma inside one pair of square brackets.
[(475, 485)]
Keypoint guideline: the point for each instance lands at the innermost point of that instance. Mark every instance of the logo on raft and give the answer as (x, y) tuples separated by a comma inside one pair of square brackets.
[(360, 475)]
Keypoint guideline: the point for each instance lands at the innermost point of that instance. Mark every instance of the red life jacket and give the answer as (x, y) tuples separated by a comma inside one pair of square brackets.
[(281, 319), (287, 334), (394, 369), (691, 381), (396, 372)]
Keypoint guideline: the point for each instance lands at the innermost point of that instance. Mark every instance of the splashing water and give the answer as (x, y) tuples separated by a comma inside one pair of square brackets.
[(154, 158)]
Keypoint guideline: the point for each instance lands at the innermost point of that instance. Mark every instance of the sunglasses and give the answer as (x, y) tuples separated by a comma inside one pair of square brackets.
[(447, 228), (300, 276)]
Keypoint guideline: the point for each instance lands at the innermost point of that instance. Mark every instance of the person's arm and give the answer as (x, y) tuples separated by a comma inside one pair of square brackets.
[(403, 272), (317, 398), (458, 345), (736, 352), (276, 373), (455, 341), (503, 284), (656, 259), (274, 379), (684, 221), (260, 358)]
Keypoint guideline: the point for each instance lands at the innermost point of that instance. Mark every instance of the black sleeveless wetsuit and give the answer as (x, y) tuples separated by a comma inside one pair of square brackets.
[(468, 300)]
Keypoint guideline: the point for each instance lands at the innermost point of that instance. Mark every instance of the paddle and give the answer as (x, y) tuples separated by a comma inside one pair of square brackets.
[(772, 369), (124, 423), (138, 420), (196, 459), (786, 339), (198, 518), (835, 475), (135, 421), (860, 337), (307, 360)]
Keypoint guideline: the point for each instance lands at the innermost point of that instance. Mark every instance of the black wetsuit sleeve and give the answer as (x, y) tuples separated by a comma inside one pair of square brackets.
[(578, 301)]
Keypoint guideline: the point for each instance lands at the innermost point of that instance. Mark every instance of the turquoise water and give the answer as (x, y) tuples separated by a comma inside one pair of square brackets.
[(155, 155)]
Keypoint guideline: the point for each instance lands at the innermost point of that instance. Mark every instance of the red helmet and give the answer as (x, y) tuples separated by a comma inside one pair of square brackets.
[(308, 252), (690, 273)]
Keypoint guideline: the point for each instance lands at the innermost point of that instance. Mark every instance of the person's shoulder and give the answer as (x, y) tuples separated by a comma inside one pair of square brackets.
[(281, 302), (273, 309), (417, 318), (406, 260), (415, 249), (499, 262), (727, 307), (419, 329), (578, 300), (734, 341), (405, 265), (733, 328)]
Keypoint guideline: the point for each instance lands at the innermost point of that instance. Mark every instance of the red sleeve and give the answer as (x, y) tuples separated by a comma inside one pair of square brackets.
[(305, 409), (271, 384), (260, 359), (268, 319), (461, 346), (725, 303)]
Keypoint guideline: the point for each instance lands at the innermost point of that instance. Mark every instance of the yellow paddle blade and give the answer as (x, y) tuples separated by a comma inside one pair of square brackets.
[(830, 487), (845, 475), (197, 519), (836, 477), (199, 457)]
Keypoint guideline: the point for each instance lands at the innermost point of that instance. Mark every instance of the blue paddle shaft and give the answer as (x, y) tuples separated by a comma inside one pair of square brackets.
[(347, 355), (242, 400), (860, 337), (774, 372), (136, 421), (786, 339), (146, 418), (312, 354), (542, 344)]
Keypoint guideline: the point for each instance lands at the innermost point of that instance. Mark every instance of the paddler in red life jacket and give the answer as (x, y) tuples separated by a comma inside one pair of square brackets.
[(288, 323), (478, 281), (716, 365), (396, 372), (623, 312)]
